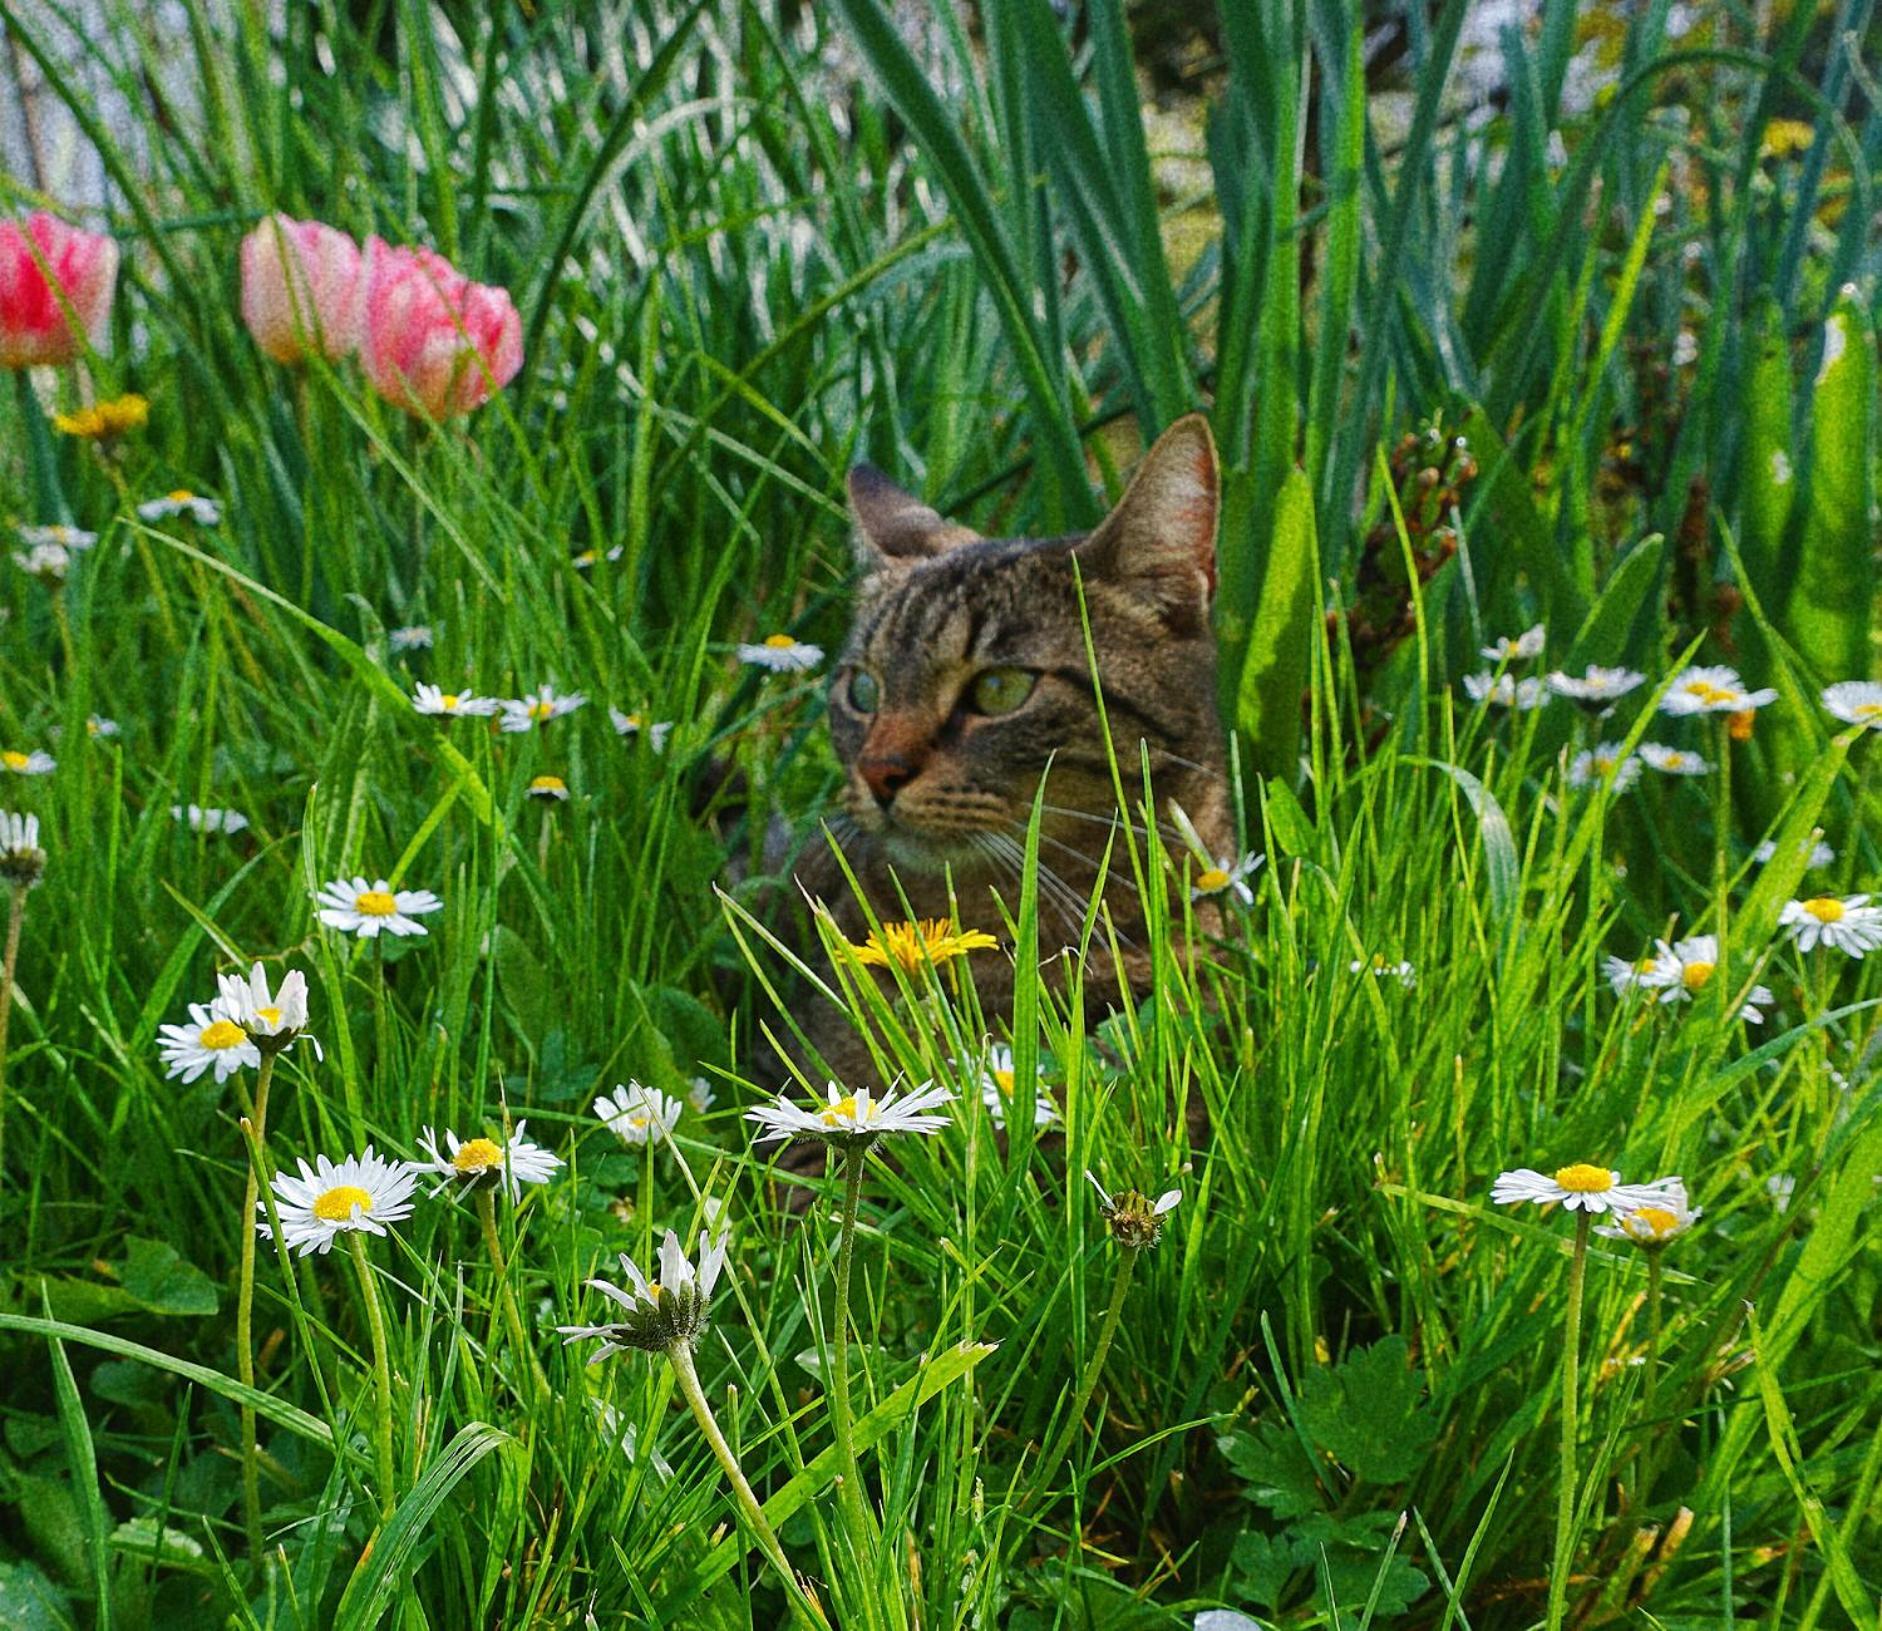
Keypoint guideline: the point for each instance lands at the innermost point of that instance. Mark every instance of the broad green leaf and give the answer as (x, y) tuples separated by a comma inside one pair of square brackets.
[(1368, 1412), (163, 1282)]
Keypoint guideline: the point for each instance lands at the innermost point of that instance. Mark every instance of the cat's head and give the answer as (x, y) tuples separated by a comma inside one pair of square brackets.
[(966, 671)]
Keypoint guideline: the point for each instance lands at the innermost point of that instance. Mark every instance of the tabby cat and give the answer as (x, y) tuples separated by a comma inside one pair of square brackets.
[(966, 672)]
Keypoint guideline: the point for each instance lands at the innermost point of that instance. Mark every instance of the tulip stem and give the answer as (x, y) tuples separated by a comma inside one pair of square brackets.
[(1564, 1554)]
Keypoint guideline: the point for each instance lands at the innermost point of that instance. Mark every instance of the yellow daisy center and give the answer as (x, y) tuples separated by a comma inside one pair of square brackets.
[(1868, 710), (588, 557), (268, 1016), (541, 709), (449, 701), (181, 496), (1825, 909), (222, 1034), (338, 1204), (375, 903), (1212, 879), (1695, 975), (1654, 1220), (1709, 693), (1583, 1179), (1646, 965), (779, 642), (1003, 1080), (479, 1155), (13, 760), (843, 1110), (548, 784)]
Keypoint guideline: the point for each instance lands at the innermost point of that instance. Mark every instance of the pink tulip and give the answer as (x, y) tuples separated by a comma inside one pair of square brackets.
[(301, 289), (435, 343), (35, 324)]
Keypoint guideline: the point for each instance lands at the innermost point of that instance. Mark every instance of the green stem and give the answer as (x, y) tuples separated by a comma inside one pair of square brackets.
[(680, 1356), (16, 916), (1571, 1420), (257, 1131), (843, 1420), (382, 1372), (1050, 1462), (1650, 1386), (512, 1318)]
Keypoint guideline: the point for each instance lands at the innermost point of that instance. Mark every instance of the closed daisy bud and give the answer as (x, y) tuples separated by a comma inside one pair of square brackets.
[(22, 861), (656, 1315)]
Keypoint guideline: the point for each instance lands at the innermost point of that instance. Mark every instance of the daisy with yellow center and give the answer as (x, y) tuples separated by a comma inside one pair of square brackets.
[(781, 654), (104, 421), (98, 727), (1848, 924), (58, 533), (550, 789), (1682, 970), (206, 818), (364, 1192), (656, 1315), (1672, 761), (1383, 968), (435, 700), (638, 1115), (271, 1019), (911, 946), (1518, 648), (1660, 1222), (1711, 691), (28, 764), (357, 907), (1506, 691), (509, 1164), (213, 1040), (999, 1089), (1578, 1187), (205, 512), (656, 731), (849, 1117), (525, 713), (1856, 702), (1604, 766), (50, 563), (1598, 689)]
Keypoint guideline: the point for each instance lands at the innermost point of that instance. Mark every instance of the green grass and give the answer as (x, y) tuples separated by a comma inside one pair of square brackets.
[(1334, 1387)]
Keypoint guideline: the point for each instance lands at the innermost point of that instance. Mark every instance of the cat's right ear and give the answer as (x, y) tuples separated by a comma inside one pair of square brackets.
[(894, 527)]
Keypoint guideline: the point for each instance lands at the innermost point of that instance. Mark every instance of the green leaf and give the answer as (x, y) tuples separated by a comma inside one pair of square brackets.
[(82, 1457), (1274, 665), (1501, 865), (1263, 1566), (31, 1602), (1367, 1412), (1273, 1467), (163, 1283)]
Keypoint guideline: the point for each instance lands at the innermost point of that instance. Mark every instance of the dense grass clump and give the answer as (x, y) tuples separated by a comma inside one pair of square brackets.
[(414, 653)]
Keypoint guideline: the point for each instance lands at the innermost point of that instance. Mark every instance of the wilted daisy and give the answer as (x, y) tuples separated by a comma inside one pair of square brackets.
[(60, 534), (28, 764), (638, 1115), (998, 1084), (1506, 691), (781, 654), (1578, 1187), (22, 861), (358, 907), (526, 712), (1596, 688), (1820, 853), (1856, 702), (908, 946), (1660, 1222), (1381, 967), (1673, 761), (549, 789), (207, 818), (656, 731), (1712, 691), (1519, 648), (1604, 766), (1685, 968), (364, 1192), (1849, 924), (509, 1163), (1135, 1221), (271, 1019), (853, 1116), (50, 563), (657, 1315), (212, 1040), (434, 699), (105, 421), (413, 637), (205, 512)]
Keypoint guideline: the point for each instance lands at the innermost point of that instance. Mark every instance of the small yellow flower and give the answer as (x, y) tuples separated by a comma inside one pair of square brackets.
[(549, 788), (908, 946), (1784, 137), (103, 421)]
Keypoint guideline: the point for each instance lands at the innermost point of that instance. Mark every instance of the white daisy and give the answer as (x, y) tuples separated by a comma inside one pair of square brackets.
[(1850, 924), (998, 1084), (587, 558), (434, 699), (213, 1040), (413, 637), (1597, 687), (97, 725), (1579, 1187), (699, 1095), (525, 713), (656, 1314), (1673, 761), (1660, 1222), (781, 654), (1385, 969), (1604, 766), (1711, 691), (656, 731), (1520, 648), (28, 764), (639, 1115), (1820, 853), (22, 861), (357, 907), (1682, 970), (1135, 1221), (1624, 977), (207, 818), (50, 563), (63, 536), (510, 1164), (271, 1019), (1506, 691), (365, 1192), (1856, 702), (205, 512), (1228, 876), (856, 1116)]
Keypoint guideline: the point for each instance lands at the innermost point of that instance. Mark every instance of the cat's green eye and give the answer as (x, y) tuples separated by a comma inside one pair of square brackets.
[(865, 692), (1001, 690)]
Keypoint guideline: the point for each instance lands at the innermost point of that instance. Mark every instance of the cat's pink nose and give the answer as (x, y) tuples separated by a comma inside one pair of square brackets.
[(885, 774)]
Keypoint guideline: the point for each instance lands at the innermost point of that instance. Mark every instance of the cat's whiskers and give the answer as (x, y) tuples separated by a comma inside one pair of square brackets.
[(1114, 876), (1114, 819)]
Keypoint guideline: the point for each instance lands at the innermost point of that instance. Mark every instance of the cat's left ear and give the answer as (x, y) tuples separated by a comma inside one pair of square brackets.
[(896, 527), (1161, 536)]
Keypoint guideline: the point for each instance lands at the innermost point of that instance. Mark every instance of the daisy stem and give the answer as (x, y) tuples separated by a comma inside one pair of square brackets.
[(382, 1371), (842, 1419), (512, 1319), (257, 1130), (680, 1356), (16, 915), (1650, 1386), (1571, 1419), (1088, 1383)]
